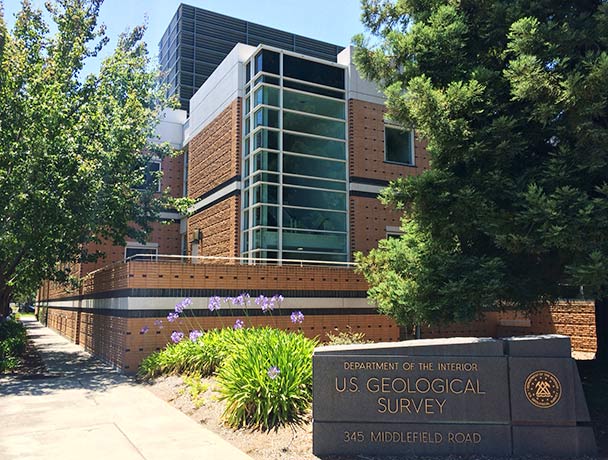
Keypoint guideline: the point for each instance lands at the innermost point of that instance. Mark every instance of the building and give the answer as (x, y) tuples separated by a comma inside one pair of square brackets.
[(284, 155), (197, 41)]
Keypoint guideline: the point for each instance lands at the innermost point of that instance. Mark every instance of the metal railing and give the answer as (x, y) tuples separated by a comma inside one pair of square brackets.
[(241, 260)]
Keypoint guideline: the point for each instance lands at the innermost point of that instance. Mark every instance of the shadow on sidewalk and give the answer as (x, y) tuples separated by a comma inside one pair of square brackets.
[(67, 367)]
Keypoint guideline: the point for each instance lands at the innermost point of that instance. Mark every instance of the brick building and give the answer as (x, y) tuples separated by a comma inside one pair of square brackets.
[(284, 154)]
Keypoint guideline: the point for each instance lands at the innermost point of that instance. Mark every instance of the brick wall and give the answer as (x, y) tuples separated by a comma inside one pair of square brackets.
[(366, 145), (214, 153), (368, 217), (368, 221), (220, 225), (271, 278)]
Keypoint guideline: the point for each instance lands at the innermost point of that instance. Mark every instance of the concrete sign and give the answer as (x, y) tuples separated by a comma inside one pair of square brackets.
[(506, 397)]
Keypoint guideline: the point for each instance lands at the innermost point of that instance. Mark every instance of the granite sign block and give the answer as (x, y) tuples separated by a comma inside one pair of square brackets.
[(448, 396)]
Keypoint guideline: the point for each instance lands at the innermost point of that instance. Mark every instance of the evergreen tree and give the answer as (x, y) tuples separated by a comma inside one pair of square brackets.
[(511, 96)]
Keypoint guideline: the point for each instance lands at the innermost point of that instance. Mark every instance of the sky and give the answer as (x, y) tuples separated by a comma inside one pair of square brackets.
[(333, 21)]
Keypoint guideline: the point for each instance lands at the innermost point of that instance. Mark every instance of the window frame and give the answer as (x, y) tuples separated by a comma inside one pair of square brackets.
[(387, 126)]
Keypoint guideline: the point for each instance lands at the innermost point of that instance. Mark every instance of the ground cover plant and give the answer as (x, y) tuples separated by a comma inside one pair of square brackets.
[(264, 374), (13, 340)]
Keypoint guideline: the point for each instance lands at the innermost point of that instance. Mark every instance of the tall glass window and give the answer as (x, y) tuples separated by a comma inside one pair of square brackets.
[(294, 157)]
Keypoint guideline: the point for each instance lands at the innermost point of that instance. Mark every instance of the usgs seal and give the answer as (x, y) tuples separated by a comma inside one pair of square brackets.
[(543, 389)]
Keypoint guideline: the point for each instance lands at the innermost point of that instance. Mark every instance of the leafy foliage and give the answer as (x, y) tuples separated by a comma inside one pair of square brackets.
[(266, 380), (201, 357), (13, 339), (73, 149), (512, 99)]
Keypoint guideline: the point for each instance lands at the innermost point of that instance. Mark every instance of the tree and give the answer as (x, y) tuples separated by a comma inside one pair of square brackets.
[(512, 99), (73, 150)]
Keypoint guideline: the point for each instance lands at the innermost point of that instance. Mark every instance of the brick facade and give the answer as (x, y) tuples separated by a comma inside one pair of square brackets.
[(220, 224), (366, 145), (214, 153), (368, 218)]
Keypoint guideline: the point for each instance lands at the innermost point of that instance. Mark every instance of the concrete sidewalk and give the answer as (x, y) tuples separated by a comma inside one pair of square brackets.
[(82, 409)]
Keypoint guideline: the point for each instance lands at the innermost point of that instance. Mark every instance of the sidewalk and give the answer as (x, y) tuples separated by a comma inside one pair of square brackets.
[(83, 409)]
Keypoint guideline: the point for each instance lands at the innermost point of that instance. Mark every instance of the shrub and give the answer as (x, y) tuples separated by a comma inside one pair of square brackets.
[(347, 337), (266, 380), (201, 357), (13, 339)]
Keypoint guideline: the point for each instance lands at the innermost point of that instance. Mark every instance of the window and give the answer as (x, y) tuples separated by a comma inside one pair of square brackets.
[(151, 177), (398, 145), (147, 252), (312, 71)]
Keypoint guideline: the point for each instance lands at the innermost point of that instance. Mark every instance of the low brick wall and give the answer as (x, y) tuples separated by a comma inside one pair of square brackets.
[(114, 335)]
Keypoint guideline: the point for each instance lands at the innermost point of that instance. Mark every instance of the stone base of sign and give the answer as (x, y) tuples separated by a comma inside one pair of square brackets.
[(515, 396), (410, 439)]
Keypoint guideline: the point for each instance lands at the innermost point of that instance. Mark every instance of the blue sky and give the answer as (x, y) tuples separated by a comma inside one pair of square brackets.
[(334, 21)]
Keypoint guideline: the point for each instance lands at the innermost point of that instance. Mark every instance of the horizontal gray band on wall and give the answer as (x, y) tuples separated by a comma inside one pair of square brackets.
[(356, 180), (177, 293), (232, 313), (219, 193)]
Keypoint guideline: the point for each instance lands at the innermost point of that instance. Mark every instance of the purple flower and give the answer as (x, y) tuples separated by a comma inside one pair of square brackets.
[(242, 300), (172, 316), (273, 372), (158, 322), (195, 334), (214, 303), (297, 317), (187, 302), (179, 308), (144, 329), (238, 324), (177, 336), (264, 303)]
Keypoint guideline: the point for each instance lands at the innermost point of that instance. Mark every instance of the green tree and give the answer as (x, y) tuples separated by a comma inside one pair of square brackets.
[(511, 96), (73, 150)]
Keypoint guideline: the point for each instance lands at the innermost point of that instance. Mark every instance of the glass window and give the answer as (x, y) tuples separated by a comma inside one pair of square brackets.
[(265, 193), (245, 242), (265, 216), (313, 104), (266, 117), (266, 139), (245, 220), (313, 241), (314, 220), (146, 252), (313, 125), (246, 147), (248, 72), (267, 79), (301, 255), (316, 183), (266, 177), (151, 176), (313, 89), (247, 105), (398, 145), (315, 72), (314, 146), (268, 161), (267, 61), (265, 238), (317, 167), (309, 198), (266, 95)]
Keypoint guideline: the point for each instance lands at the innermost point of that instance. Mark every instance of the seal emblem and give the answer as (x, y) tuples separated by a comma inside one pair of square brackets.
[(543, 389)]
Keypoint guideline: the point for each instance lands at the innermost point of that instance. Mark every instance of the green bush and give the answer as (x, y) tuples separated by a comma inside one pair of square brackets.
[(202, 357), (266, 380), (13, 339)]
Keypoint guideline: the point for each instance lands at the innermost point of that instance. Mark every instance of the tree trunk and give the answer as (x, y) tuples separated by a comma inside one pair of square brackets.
[(5, 299), (601, 328)]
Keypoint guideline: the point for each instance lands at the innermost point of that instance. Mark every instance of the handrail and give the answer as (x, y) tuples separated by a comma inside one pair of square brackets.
[(247, 260)]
